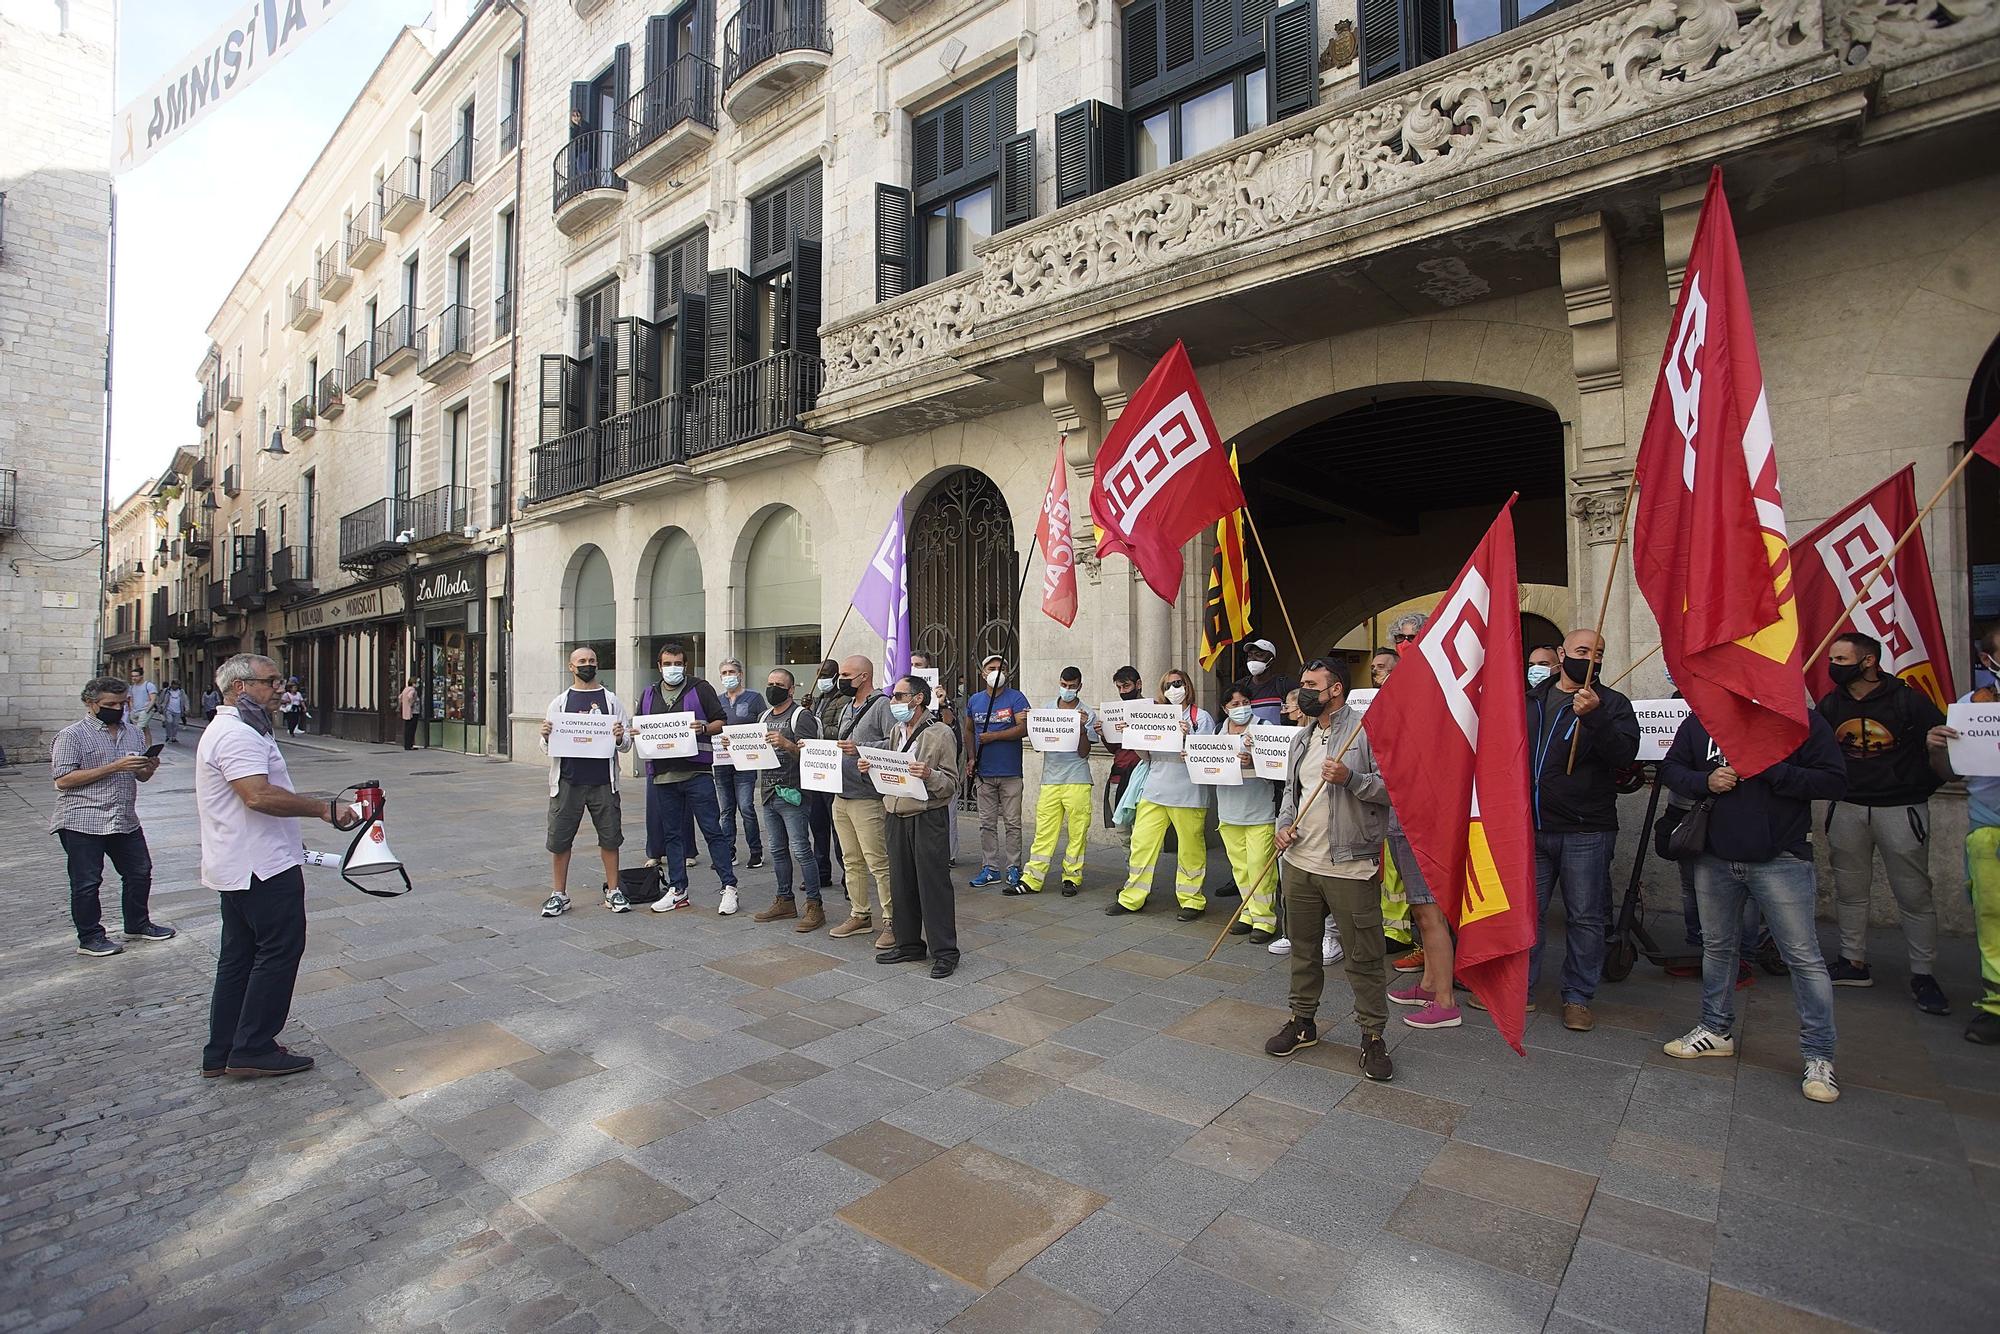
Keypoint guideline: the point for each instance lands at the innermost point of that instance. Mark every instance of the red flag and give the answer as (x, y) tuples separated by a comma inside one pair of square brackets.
[(1987, 446), (1162, 476), (1058, 550), (1835, 559), (1450, 734), (1709, 547)]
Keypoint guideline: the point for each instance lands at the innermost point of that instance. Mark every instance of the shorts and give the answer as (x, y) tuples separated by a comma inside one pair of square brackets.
[(141, 719), (1405, 857), (566, 810)]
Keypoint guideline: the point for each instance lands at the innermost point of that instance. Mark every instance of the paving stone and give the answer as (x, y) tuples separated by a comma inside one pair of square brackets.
[(1015, 1023), (495, 1130), (1176, 1198), (1527, 1244), (847, 1044), (849, 1097), (1182, 1299), (883, 1151), (949, 1116), (1920, 1196), (1370, 1147), (1103, 1260), (1645, 1230), (1088, 1140), (782, 1072), (606, 1204), (1023, 1305), (1320, 1203), (1231, 1153), (1102, 1037), (1402, 1285), (1286, 1266), (798, 1195), (722, 1094), (1731, 1311), (787, 1030), (1055, 1060), (403, 1068), (836, 1013), (709, 1238), (940, 1057), (552, 1068), (774, 965), (1617, 1289), (1184, 1080), (706, 1159), (627, 949), (1520, 1183), (1436, 1115), (636, 1127), (1057, 1003)]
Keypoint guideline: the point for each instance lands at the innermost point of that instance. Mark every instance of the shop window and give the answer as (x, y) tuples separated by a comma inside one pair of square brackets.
[(675, 605), (594, 618), (782, 597)]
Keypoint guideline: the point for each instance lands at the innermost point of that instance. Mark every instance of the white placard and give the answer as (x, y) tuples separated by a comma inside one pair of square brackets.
[(819, 766), (1976, 753), (1659, 719), (1056, 730), (1155, 727), (749, 748), (582, 735), (1111, 721), (664, 736), (1271, 748), (929, 676), (1216, 761), (1359, 700), (889, 770)]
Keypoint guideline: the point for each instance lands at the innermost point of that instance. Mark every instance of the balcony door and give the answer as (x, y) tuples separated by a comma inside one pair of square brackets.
[(404, 436), (308, 520), (410, 288), (458, 424)]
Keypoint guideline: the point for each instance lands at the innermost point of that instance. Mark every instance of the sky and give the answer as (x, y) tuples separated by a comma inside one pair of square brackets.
[(190, 219)]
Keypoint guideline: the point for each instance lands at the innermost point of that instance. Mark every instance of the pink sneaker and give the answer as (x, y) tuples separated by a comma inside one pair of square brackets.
[(1412, 993), (1434, 1016)]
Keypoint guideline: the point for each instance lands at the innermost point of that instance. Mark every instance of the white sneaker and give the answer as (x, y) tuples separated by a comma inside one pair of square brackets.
[(1818, 1083), (1700, 1041), (1280, 946), (615, 900), (556, 906), (1329, 947), (728, 908), (672, 899)]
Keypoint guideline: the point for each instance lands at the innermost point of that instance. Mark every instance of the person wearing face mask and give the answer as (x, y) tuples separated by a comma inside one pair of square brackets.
[(995, 721), (1544, 661), (926, 922), (1243, 813), (1064, 798), (579, 783), (1576, 812), (857, 812), (782, 803), (826, 705), (735, 791), (98, 763), (942, 710), (1881, 724), (1380, 664), (680, 791), (1171, 800), (1266, 687), (1124, 763), (1982, 850)]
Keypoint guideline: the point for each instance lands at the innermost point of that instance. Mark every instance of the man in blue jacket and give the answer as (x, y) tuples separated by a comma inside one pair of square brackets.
[(1759, 845)]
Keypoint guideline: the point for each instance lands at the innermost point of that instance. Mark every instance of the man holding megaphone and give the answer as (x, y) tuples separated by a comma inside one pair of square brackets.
[(252, 856)]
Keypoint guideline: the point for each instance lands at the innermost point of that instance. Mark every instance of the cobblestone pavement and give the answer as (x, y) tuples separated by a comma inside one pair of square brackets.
[(693, 1123)]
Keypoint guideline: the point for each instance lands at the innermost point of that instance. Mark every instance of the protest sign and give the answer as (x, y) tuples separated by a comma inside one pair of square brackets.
[(1154, 727), (1055, 729), (889, 770), (819, 766), (748, 748), (1216, 761), (1111, 721), (1976, 753), (1271, 748), (664, 736), (1659, 719), (582, 736)]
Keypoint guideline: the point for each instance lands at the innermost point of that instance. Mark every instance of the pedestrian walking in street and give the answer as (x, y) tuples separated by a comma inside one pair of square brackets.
[(736, 790), (857, 812), (1982, 853), (98, 763), (251, 855), (579, 783), (176, 702), (782, 803), (211, 700), (1062, 804), (406, 700), (1170, 800), (293, 706), (681, 790), (996, 719), (142, 697), (926, 921), (1880, 724)]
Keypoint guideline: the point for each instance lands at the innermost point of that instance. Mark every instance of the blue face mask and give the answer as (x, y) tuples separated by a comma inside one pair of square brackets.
[(673, 676), (1537, 673), (1067, 695), (901, 711), (1241, 714)]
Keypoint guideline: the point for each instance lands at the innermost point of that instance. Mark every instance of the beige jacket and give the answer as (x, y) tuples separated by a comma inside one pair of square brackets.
[(934, 747)]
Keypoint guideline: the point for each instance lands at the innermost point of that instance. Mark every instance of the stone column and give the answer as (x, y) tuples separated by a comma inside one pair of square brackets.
[(1071, 398), (1117, 372)]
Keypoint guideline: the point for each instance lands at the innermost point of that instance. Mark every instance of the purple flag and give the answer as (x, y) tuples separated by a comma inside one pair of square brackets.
[(883, 599)]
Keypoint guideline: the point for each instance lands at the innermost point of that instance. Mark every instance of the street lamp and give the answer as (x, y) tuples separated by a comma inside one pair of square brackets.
[(277, 445)]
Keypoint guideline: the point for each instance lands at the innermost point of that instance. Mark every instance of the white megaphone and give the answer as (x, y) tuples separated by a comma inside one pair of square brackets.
[(368, 854)]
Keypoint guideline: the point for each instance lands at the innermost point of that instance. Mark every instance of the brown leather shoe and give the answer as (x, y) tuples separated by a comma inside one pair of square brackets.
[(1375, 1063), (812, 919), (886, 941), (853, 926), (1576, 1018), (779, 910)]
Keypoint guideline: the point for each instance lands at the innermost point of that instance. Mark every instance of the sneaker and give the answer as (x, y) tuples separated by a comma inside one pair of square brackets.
[(694, 859), (987, 876), (1818, 1083), (1984, 1029), (1295, 1034), (1279, 946), (1013, 875), (672, 899), (1239, 927), (615, 900), (1014, 889), (279, 1062), (1699, 1041), (756, 860), (1435, 1016), (152, 931), (727, 908), (1189, 914), (555, 905), (1329, 946), (1071, 889), (1845, 974), (99, 946), (1929, 995), (886, 940), (1413, 962), (778, 911), (853, 926), (812, 919), (1259, 936), (1411, 993), (1375, 1063)]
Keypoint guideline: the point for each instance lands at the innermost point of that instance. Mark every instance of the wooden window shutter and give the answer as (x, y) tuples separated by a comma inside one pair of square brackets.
[(1177, 40), (731, 336), (1016, 196), (894, 222), (1382, 53), (558, 416), (691, 347), (1142, 47), (1291, 40), (807, 305), (658, 33)]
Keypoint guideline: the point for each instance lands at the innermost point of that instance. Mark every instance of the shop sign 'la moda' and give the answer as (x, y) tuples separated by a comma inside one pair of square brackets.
[(453, 584)]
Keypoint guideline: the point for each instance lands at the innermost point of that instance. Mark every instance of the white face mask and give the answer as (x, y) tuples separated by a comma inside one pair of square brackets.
[(1537, 673), (1176, 694), (730, 680), (1241, 714), (1257, 666), (1067, 694), (994, 678), (823, 686), (673, 676)]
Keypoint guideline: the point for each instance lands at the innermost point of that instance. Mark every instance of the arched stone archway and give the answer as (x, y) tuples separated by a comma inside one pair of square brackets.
[(964, 575), (590, 611), (777, 593)]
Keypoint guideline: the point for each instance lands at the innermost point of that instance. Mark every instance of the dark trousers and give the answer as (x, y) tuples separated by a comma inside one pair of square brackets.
[(410, 733), (819, 823), (670, 808), (134, 863), (920, 882), (263, 939)]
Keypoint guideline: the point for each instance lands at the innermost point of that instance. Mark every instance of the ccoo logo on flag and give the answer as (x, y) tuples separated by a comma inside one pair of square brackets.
[(1171, 440)]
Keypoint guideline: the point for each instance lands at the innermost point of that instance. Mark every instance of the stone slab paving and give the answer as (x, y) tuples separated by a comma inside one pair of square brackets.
[(688, 1123)]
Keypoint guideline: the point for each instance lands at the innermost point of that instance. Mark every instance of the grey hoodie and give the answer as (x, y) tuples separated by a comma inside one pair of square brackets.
[(1356, 815)]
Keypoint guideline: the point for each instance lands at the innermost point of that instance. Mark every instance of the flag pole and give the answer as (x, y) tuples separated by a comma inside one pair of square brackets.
[(837, 629), (1643, 659), (1272, 865), (1272, 575), (1888, 562), (1604, 605)]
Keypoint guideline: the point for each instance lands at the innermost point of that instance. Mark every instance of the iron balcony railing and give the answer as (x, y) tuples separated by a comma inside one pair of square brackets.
[(503, 314), (325, 271), (228, 393), (760, 399), (291, 569), (199, 477), (360, 368), (302, 418), (587, 162), (452, 169), (438, 512), (247, 571), (159, 622), (329, 399), (451, 332), (9, 480), (763, 29), (405, 182), (189, 625), (204, 410), (510, 131), (299, 300), (683, 91), (363, 231), (218, 597), (402, 332), (231, 483), (368, 535)]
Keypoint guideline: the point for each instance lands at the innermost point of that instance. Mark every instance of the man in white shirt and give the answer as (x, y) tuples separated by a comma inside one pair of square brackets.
[(252, 856), (140, 701)]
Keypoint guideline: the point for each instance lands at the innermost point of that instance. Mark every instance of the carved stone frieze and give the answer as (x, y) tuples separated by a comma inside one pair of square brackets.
[(1892, 31), (1597, 513)]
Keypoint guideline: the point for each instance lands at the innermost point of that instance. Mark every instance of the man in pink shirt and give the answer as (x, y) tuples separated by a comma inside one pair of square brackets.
[(408, 699)]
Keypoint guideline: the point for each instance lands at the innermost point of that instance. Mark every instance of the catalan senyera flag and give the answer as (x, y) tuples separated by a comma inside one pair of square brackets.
[(1710, 550), (1837, 558), (1058, 547), (1450, 735), (1226, 617)]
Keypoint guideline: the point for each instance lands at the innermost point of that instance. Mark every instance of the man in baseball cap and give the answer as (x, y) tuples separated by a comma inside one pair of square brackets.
[(1265, 687)]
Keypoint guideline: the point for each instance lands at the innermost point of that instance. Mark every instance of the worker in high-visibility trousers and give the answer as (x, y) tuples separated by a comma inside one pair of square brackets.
[(1063, 799), (1245, 813), (1171, 798)]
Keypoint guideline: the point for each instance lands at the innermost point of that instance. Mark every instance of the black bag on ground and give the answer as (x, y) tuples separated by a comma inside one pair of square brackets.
[(642, 884)]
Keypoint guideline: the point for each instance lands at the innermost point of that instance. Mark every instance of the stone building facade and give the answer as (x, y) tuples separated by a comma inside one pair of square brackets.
[(55, 232)]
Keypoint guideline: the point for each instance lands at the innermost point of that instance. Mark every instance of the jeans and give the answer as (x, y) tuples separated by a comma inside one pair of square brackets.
[(1753, 921), (1784, 889), (733, 792), (826, 848), (1583, 863), (786, 829), (263, 939), (134, 864), (668, 809), (174, 721)]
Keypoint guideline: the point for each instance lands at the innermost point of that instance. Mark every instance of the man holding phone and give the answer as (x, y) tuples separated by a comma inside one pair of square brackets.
[(98, 763)]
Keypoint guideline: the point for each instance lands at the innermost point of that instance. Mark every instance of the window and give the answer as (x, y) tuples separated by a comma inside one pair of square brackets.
[(595, 309), (679, 278), (784, 237), (402, 430), (265, 346), (503, 274), (501, 450), (308, 518), (1398, 35), (970, 176), (458, 445)]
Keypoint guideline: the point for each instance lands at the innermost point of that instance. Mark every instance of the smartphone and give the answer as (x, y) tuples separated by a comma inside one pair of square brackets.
[(153, 751)]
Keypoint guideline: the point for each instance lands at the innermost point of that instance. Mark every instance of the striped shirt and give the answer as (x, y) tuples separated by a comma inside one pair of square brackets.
[(109, 805)]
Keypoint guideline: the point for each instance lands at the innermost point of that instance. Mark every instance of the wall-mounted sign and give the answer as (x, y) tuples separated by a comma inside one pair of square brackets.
[(368, 604), (462, 581)]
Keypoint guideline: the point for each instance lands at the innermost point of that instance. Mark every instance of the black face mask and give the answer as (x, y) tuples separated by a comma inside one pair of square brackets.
[(845, 688), (588, 672), (1844, 674), (1310, 702), (1128, 692), (777, 695), (1578, 669), (111, 717)]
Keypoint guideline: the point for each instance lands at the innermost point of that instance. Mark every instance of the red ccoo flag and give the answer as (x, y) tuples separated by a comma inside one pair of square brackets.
[(1450, 733), (1835, 559), (1058, 549), (1709, 548), (1162, 476)]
